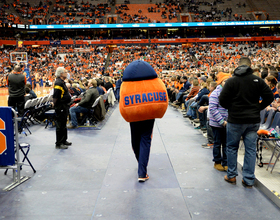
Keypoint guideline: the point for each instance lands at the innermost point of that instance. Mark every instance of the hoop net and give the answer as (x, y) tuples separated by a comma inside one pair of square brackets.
[(19, 57)]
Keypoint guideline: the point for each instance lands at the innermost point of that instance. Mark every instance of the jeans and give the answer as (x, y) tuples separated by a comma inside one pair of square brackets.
[(220, 138), (178, 95), (210, 135), (73, 114), (188, 103), (192, 110), (249, 134)]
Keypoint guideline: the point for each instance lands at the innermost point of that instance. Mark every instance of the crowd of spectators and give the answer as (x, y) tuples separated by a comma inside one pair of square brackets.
[(73, 12), (28, 11), (174, 60), (148, 13), (198, 64), (6, 17), (81, 12)]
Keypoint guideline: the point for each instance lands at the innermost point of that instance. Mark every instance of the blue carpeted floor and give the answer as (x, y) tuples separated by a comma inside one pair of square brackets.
[(96, 178)]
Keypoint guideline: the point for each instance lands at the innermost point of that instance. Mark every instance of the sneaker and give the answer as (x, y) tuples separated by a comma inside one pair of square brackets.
[(61, 146), (197, 128), (68, 143), (203, 128), (143, 179), (208, 146), (246, 185), (219, 167), (196, 120), (231, 180)]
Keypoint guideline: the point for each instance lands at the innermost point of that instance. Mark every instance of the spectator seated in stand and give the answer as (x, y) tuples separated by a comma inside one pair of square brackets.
[(194, 91), (85, 104), (191, 113)]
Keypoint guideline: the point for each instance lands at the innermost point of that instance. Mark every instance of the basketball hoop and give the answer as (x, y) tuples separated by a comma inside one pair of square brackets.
[(19, 57)]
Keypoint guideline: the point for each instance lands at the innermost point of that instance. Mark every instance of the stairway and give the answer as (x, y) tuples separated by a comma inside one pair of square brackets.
[(107, 61)]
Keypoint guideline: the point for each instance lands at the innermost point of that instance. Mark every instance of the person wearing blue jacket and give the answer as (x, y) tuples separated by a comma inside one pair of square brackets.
[(192, 110), (185, 87), (118, 87)]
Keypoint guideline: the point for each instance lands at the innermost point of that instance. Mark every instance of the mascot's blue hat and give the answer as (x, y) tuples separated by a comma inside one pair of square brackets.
[(139, 70)]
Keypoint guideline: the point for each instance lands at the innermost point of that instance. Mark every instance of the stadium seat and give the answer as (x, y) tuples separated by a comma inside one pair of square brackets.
[(268, 121)]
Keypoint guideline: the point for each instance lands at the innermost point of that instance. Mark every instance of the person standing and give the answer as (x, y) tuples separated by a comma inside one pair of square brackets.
[(16, 87), (61, 101), (241, 96), (143, 97), (118, 87), (218, 122)]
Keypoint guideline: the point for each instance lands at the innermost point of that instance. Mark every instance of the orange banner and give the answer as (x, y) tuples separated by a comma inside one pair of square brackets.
[(8, 42), (39, 42)]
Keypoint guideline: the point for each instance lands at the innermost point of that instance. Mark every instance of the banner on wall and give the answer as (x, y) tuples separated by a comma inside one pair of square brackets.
[(7, 151), (55, 42)]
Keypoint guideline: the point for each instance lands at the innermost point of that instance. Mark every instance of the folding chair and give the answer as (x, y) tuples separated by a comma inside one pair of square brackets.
[(276, 153), (263, 137), (268, 120), (23, 123), (50, 117), (105, 97), (90, 113), (24, 148)]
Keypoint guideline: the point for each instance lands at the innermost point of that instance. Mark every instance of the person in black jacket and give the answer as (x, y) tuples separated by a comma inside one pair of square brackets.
[(108, 84), (241, 96), (85, 104), (61, 101), (16, 82)]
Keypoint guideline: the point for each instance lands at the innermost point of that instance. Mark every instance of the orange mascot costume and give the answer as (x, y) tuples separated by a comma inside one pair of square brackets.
[(143, 98)]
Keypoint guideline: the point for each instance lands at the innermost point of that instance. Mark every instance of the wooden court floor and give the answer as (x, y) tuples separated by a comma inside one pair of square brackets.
[(40, 91)]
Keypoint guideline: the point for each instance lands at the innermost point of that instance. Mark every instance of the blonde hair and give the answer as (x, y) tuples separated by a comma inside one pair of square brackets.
[(93, 82), (195, 82)]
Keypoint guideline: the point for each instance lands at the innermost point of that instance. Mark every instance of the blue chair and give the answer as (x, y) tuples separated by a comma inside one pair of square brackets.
[(264, 138), (50, 114), (268, 121), (275, 121), (276, 153)]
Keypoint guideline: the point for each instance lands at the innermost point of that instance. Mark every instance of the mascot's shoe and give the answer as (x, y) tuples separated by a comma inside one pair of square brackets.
[(231, 180), (143, 179)]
